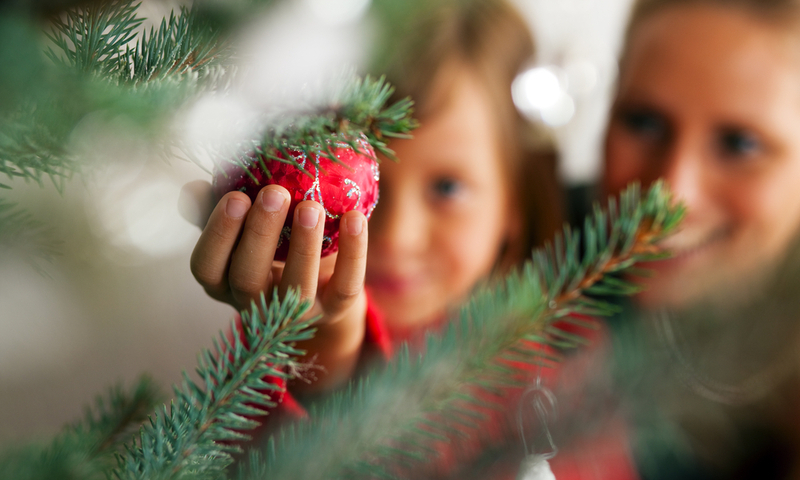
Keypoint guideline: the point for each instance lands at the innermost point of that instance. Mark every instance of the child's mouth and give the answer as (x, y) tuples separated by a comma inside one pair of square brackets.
[(392, 284)]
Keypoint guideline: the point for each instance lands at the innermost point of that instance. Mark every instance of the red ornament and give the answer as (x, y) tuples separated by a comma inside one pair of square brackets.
[(338, 187)]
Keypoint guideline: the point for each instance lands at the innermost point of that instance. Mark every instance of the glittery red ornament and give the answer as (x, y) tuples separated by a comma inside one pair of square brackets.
[(338, 187)]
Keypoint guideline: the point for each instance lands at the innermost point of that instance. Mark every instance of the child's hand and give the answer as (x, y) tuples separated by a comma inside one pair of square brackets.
[(233, 261)]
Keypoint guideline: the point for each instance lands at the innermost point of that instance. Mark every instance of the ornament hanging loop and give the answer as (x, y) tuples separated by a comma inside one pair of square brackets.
[(535, 465), (544, 404)]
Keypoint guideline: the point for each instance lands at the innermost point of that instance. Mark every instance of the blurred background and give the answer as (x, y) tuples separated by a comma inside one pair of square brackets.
[(119, 299)]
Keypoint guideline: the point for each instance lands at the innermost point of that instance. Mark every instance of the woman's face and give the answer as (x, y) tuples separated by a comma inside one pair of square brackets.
[(709, 99), (443, 215)]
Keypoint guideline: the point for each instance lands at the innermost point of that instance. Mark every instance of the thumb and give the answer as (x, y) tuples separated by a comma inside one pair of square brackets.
[(196, 202)]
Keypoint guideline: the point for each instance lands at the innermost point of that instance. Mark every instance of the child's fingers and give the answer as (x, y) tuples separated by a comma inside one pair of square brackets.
[(251, 264), (196, 202), (347, 281), (305, 246), (211, 255)]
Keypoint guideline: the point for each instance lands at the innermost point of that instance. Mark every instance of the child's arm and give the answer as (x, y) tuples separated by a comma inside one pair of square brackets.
[(233, 261)]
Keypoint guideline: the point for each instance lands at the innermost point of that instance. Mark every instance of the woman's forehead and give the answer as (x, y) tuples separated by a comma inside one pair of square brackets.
[(694, 29), (703, 54)]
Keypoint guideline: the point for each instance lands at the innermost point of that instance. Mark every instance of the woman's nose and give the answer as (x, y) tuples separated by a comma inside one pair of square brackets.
[(683, 166)]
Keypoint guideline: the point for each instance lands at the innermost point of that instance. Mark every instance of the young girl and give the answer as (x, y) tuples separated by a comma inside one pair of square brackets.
[(473, 192), (709, 98)]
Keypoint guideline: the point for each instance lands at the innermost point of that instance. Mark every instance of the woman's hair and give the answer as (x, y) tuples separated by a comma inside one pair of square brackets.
[(493, 40), (780, 12)]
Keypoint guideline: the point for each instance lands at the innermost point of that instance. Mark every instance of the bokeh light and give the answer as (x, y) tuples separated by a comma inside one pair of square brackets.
[(536, 89), (560, 113), (338, 12), (583, 77), (540, 94)]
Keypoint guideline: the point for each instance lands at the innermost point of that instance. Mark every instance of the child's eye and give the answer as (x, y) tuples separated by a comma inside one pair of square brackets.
[(738, 143), (446, 187), (645, 123)]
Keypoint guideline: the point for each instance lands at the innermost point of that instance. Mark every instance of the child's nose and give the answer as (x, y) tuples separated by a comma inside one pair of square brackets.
[(398, 226)]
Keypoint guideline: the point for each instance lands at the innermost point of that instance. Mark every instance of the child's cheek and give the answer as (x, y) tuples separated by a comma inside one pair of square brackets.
[(474, 238)]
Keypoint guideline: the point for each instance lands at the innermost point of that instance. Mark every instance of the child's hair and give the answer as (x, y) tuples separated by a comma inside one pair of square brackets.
[(786, 12), (493, 40)]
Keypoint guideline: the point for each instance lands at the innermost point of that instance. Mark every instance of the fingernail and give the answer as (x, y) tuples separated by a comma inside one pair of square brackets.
[(308, 217), (235, 208), (354, 225), (273, 201)]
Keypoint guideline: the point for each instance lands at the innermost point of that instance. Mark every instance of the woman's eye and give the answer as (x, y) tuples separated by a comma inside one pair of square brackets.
[(446, 187), (645, 123), (738, 143)]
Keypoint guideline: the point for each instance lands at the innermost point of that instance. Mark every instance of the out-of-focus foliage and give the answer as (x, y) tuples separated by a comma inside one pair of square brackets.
[(390, 424), (94, 60), (85, 450)]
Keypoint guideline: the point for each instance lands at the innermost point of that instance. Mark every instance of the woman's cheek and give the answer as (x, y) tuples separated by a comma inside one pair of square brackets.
[(767, 213), (624, 160)]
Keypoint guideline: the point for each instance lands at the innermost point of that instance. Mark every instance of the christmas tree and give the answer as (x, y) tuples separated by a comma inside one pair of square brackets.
[(96, 62)]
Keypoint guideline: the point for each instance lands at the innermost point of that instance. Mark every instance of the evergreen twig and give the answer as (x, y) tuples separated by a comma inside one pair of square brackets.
[(85, 450), (391, 422), (113, 415), (24, 236), (183, 43), (195, 436), (357, 111), (30, 150), (91, 37)]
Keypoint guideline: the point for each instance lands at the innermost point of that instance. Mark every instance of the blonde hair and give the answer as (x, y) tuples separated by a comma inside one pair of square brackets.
[(491, 38)]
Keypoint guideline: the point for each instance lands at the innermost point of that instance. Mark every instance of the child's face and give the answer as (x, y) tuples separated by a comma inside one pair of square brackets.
[(443, 215), (709, 99)]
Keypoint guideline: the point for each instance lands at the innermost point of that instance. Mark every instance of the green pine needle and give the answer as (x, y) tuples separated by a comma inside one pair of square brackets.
[(31, 151), (441, 392), (197, 434), (182, 44), (91, 37), (22, 236), (113, 415), (391, 424), (85, 450), (357, 111)]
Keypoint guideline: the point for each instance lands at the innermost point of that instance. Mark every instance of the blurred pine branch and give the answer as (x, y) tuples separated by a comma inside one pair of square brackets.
[(197, 434), (86, 449), (27, 238), (389, 425)]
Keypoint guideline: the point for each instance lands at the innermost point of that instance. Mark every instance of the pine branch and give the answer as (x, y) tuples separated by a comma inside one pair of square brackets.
[(31, 150), (105, 67), (357, 111), (101, 38), (194, 436), (391, 423), (361, 108), (91, 37), (85, 450), (182, 44), (115, 413), (25, 237)]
